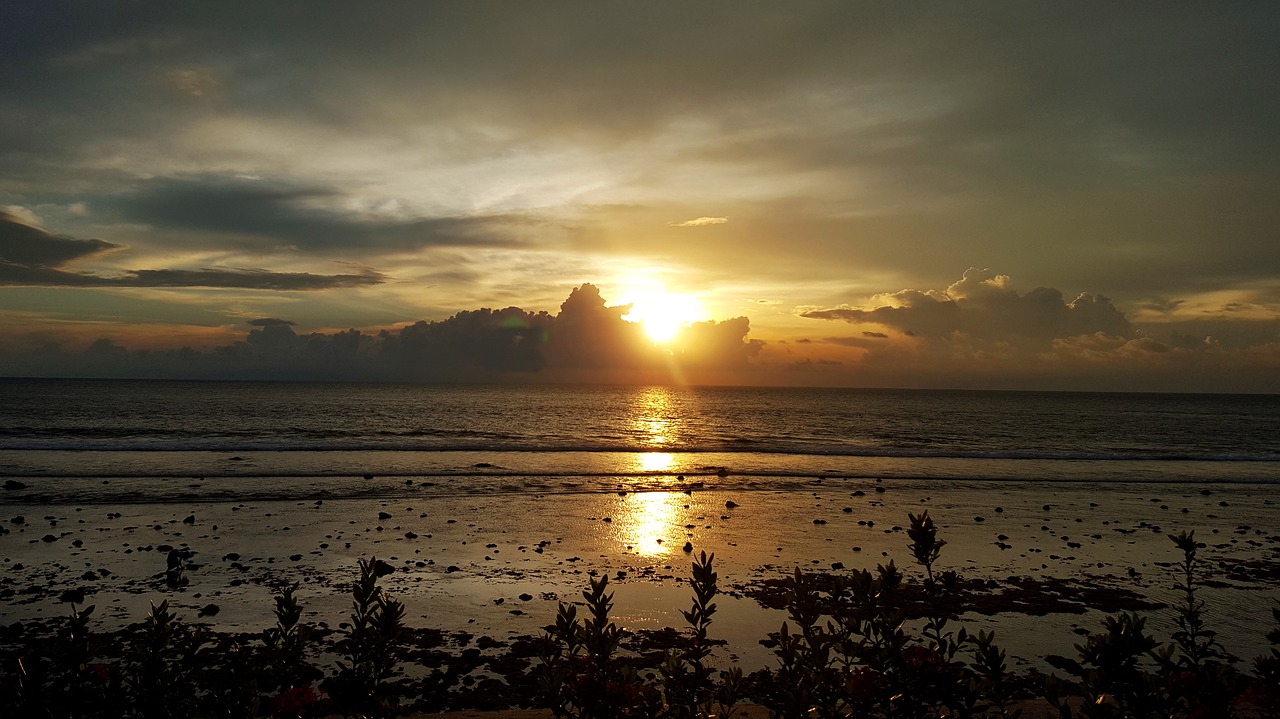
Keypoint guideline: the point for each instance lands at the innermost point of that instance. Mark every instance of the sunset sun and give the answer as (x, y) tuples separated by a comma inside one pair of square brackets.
[(662, 314)]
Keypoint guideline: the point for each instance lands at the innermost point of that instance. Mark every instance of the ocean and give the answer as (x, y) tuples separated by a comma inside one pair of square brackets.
[(483, 496), (148, 439)]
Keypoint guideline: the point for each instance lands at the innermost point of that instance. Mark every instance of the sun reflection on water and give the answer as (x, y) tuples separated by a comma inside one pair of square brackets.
[(653, 420), (656, 461), (647, 522)]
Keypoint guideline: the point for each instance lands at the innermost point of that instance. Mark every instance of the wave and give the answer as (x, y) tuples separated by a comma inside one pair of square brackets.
[(736, 446), (166, 490)]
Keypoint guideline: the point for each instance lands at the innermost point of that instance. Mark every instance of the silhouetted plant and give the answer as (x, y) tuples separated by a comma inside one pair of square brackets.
[(689, 686), (1123, 672), (66, 681), (851, 653), (285, 645), (581, 675), (363, 685), (1262, 695), (166, 657), (845, 651), (992, 680), (1197, 678)]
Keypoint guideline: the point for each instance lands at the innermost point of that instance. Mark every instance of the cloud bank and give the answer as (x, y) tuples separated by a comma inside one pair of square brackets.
[(29, 256), (982, 332), (984, 306), (586, 341)]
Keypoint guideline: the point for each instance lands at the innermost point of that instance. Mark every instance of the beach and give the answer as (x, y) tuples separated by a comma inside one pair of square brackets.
[(493, 505), (490, 571)]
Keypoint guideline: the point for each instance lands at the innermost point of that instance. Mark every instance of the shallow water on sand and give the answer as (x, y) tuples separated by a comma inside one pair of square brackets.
[(457, 555)]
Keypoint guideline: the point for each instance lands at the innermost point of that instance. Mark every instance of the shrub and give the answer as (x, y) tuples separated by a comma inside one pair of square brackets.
[(583, 677), (853, 654), (364, 684)]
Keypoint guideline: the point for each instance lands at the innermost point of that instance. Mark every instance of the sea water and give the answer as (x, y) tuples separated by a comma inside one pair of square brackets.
[(149, 439), (511, 463)]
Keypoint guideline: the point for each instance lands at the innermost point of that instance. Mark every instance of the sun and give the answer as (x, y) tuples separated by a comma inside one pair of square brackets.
[(662, 314)]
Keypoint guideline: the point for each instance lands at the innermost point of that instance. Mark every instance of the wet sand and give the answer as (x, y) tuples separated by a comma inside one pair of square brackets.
[(489, 571)]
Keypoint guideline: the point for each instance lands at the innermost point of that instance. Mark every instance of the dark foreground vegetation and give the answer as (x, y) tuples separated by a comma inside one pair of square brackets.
[(863, 644)]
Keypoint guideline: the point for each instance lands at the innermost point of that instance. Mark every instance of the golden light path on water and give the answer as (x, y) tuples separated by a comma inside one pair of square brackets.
[(655, 417), (646, 522)]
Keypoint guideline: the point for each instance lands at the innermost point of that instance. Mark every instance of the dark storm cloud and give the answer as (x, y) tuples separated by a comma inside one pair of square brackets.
[(257, 279), (247, 279), (985, 306), (1021, 72), (22, 245), (305, 218), (29, 256)]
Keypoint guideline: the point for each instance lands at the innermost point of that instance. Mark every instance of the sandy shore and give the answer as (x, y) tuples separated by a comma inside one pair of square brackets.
[(489, 571)]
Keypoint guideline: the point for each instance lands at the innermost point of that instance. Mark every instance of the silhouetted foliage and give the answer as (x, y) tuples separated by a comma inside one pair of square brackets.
[(844, 651)]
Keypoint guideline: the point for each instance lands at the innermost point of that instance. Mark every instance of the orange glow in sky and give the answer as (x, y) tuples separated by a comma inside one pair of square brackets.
[(662, 314)]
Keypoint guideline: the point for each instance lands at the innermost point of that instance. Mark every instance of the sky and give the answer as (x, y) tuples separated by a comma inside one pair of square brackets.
[(1002, 195)]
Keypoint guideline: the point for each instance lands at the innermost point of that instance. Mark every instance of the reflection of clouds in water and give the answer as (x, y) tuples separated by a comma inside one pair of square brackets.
[(646, 522)]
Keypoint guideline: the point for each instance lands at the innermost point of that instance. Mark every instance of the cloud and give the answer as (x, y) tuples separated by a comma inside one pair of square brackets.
[(30, 256), (701, 222), (307, 218), (25, 245), (269, 322), (586, 341), (247, 279), (984, 306)]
